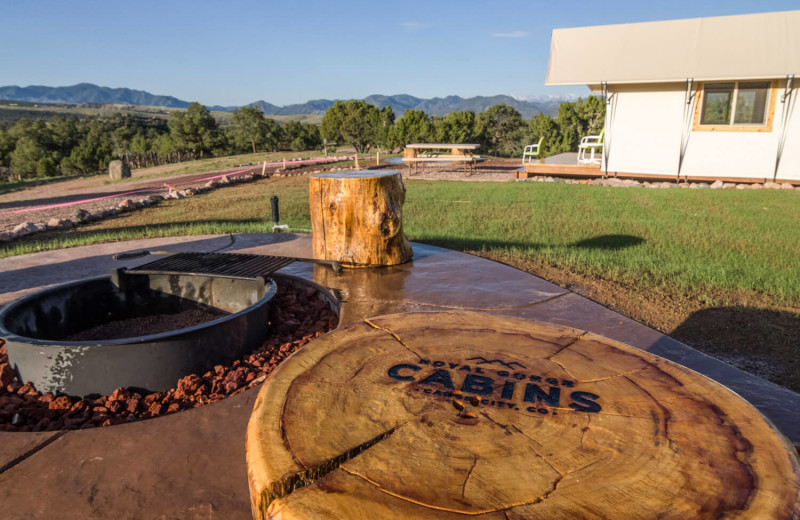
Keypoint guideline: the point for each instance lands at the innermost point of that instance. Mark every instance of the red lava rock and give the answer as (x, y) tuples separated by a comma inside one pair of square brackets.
[(61, 403), (131, 405), (120, 394), (301, 317), (78, 407), (26, 389), (7, 374)]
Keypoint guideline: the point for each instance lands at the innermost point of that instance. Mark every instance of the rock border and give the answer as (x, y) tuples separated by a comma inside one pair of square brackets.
[(632, 183), (83, 216)]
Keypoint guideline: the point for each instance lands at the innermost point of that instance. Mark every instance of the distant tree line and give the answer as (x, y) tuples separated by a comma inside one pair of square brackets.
[(68, 145), (500, 130), (38, 148)]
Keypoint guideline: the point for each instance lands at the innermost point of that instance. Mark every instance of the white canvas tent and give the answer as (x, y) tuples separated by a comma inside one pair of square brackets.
[(663, 81)]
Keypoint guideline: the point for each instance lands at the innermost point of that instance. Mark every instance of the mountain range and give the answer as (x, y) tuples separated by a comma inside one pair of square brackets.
[(89, 93)]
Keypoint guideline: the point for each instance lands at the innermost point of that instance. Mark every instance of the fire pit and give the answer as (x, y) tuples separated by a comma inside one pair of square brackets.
[(38, 328)]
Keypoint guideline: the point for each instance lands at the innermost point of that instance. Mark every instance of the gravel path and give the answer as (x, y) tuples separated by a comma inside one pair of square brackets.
[(91, 194)]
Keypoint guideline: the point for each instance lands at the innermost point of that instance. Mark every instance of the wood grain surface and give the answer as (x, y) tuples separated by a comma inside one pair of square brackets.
[(357, 218), (452, 414)]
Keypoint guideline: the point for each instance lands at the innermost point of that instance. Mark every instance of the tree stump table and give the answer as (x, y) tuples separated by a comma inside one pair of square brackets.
[(357, 218), (447, 414)]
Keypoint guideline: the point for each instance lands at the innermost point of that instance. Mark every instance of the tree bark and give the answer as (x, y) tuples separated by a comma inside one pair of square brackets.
[(453, 415), (357, 218)]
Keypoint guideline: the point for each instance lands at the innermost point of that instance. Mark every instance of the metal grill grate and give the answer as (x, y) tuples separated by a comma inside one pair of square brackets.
[(232, 265)]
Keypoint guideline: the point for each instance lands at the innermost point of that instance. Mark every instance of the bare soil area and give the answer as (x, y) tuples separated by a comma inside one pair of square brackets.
[(749, 331), (61, 200), (493, 169)]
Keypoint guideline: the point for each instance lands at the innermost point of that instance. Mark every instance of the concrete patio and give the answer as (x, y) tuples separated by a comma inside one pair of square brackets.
[(192, 464)]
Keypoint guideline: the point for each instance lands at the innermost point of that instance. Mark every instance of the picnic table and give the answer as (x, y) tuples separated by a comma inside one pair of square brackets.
[(420, 153)]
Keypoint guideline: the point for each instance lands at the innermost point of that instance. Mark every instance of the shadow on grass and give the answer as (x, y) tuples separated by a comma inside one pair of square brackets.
[(610, 242), (762, 342), (606, 242)]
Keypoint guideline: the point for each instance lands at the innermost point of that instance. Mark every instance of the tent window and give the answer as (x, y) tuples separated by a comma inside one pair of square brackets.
[(736, 103)]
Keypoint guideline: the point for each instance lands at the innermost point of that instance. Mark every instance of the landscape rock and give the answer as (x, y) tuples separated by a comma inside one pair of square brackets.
[(155, 199), (787, 186), (717, 185), (118, 170), (728, 185), (7, 374), (772, 185), (127, 205), (741, 186), (26, 228), (82, 216), (757, 186)]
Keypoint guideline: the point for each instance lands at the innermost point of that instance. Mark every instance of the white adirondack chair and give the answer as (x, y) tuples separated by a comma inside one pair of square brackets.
[(592, 143)]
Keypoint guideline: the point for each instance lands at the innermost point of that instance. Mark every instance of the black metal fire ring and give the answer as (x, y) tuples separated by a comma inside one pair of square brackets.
[(151, 362)]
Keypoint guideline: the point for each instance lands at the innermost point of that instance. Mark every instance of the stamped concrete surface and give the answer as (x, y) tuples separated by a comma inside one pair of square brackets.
[(192, 464)]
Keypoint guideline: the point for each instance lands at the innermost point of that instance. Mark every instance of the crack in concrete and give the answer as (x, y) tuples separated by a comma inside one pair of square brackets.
[(565, 347), (396, 337), (288, 484), (466, 308), (623, 374), (565, 369), (447, 509), (22, 457), (469, 474)]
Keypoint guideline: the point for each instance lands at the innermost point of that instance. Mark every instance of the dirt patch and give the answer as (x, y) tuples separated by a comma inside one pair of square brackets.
[(299, 315), (493, 169), (746, 329)]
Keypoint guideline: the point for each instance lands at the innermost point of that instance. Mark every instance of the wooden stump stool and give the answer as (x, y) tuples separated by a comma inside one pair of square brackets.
[(357, 218), (448, 414)]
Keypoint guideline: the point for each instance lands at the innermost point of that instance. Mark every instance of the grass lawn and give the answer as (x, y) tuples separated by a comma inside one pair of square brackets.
[(663, 257)]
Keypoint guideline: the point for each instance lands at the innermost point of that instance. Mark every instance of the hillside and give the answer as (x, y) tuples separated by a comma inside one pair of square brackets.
[(84, 93), (11, 111)]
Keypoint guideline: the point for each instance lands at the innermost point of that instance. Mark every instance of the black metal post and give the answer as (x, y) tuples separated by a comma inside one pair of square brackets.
[(276, 218)]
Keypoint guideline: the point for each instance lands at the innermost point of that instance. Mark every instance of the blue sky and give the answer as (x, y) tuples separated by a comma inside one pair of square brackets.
[(239, 51)]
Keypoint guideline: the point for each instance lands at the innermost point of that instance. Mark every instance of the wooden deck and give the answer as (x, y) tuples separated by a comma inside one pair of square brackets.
[(573, 170), (594, 171)]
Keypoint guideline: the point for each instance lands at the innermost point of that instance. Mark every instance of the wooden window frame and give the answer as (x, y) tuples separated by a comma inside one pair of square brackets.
[(698, 110)]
